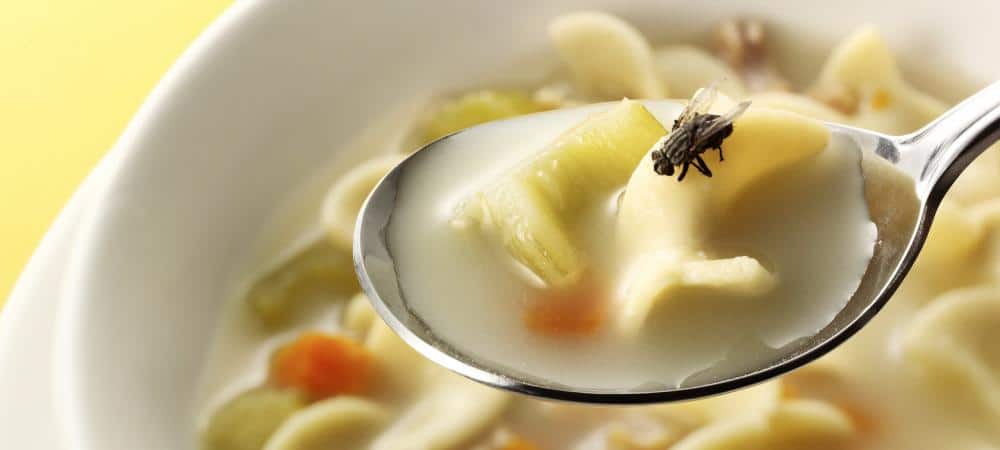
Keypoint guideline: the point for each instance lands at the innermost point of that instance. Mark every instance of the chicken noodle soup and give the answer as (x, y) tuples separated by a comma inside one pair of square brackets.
[(302, 362), (581, 265)]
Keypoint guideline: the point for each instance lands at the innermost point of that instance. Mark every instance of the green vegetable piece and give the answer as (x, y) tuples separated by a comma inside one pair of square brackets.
[(320, 268), (247, 421), (476, 108)]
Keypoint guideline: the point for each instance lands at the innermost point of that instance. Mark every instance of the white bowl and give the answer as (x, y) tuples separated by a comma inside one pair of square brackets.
[(270, 92)]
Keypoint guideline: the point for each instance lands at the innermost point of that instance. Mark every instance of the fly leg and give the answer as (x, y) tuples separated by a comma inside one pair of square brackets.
[(684, 170), (702, 166)]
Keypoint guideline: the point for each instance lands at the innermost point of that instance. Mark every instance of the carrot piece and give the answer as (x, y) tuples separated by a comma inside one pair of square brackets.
[(322, 366), (881, 100), (790, 392), (578, 311), (516, 443)]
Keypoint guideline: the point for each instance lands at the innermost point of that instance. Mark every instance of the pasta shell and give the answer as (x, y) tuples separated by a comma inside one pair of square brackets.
[(401, 370), (664, 245), (450, 414), (980, 182), (607, 57), (862, 79), (686, 69), (952, 344), (344, 423), (793, 425), (752, 400), (799, 104), (954, 236), (343, 201), (359, 316)]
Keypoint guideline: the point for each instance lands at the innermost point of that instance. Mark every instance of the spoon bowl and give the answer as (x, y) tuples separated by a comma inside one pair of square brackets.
[(905, 179)]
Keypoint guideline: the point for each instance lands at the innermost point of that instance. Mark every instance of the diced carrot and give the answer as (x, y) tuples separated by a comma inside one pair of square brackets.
[(789, 391), (579, 311), (881, 100), (517, 443), (323, 366)]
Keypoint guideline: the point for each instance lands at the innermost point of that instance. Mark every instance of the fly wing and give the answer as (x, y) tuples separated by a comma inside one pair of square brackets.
[(723, 121), (699, 104)]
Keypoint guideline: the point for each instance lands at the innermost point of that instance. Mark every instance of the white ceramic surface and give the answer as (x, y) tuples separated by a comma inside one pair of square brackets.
[(27, 328), (269, 93)]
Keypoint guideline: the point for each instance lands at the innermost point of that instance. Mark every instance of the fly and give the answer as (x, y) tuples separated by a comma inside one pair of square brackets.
[(695, 132)]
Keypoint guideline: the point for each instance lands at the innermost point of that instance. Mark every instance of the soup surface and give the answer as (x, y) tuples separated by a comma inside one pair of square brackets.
[(806, 219), (302, 362)]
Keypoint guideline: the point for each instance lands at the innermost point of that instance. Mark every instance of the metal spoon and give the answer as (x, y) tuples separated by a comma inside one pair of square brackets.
[(905, 179)]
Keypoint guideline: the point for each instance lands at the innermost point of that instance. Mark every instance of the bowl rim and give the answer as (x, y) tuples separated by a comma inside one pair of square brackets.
[(28, 323), (127, 150)]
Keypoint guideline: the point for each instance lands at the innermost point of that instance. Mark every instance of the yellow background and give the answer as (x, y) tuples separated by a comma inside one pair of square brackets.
[(72, 73)]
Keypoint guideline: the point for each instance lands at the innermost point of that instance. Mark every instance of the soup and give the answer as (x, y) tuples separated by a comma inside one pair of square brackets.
[(661, 305), (302, 361)]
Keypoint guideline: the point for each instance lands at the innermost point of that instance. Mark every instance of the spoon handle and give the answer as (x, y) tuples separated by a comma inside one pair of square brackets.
[(938, 153)]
